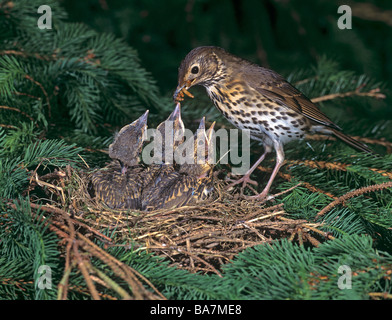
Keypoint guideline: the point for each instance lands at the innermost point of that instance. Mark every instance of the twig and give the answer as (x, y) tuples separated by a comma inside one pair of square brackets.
[(381, 142), (85, 273), (383, 295), (64, 214), (20, 111), (267, 216), (352, 194), (8, 126), (369, 11), (183, 251), (374, 93), (43, 90), (25, 54), (307, 185)]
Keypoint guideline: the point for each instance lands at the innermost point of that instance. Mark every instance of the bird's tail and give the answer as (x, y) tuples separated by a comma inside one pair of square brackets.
[(351, 142)]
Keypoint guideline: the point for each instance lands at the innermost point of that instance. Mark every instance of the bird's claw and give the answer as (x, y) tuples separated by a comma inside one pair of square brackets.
[(245, 180)]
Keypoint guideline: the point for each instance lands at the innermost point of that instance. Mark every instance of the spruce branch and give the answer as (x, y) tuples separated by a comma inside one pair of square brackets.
[(78, 244), (17, 110), (381, 142), (30, 78), (374, 93), (353, 194), (11, 71), (289, 177), (25, 54)]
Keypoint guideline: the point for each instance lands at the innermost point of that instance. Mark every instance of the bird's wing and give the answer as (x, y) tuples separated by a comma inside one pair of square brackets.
[(180, 192), (276, 89), (173, 191)]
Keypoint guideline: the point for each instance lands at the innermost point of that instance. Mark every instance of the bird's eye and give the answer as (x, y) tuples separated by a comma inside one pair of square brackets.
[(195, 70)]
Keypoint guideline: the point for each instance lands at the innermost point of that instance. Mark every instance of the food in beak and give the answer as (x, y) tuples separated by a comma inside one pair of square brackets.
[(179, 93)]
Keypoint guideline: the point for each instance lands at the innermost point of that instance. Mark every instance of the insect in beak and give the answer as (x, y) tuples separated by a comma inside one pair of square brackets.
[(179, 93)]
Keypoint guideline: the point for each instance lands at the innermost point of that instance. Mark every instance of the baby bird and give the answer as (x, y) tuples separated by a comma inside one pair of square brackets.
[(118, 184), (190, 184)]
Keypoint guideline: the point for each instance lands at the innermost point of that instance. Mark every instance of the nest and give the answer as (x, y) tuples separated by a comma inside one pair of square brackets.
[(198, 238)]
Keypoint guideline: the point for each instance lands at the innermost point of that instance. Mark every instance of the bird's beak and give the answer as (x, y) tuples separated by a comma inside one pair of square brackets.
[(181, 89), (143, 118), (202, 125), (141, 123), (210, 131), (178, 125), (206, 164), (176, 114)]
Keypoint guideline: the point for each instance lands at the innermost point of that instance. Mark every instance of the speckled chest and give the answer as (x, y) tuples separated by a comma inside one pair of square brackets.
[(266, 119)]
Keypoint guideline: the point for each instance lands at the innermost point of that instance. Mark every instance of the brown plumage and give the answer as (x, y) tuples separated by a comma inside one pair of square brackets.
[(128, 143), (118, 184), (170, 131), (126, 184), (257, 99), (191, 183), (120, 190)]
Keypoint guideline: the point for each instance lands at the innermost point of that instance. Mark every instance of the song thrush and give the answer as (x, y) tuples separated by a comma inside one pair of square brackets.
[(258, 99), (168, 136), (118, 184), (126, 184), (191, 183), (121, 183)]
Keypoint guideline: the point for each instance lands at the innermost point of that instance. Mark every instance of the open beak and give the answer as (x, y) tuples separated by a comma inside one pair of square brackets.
[(176, 114), (179, 93), (210, 131), (143, 118), (178, 125)]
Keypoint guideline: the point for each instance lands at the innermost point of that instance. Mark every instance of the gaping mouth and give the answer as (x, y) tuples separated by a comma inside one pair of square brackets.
[(179, 93)]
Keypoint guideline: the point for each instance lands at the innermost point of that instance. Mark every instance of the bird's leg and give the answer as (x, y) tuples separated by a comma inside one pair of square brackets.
[(246, 177), (279, 162)]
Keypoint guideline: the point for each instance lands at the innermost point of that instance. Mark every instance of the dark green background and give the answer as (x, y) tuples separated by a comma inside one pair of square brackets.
[(284, 35)]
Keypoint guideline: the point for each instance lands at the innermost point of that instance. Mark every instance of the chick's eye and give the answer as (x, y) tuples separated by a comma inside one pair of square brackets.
[(195, 70)]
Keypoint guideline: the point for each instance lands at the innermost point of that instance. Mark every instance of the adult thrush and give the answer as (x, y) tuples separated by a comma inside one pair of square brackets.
[(258, 99)]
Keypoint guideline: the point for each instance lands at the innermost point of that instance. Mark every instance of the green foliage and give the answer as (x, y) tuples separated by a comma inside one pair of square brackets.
[(283, 270), (288, 271), (20, 150), (10, 71), (26, 245), (70, 73)]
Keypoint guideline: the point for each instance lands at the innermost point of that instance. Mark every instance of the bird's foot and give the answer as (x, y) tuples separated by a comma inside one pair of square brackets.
[(245, 180), (264, 196), (261, 196)]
